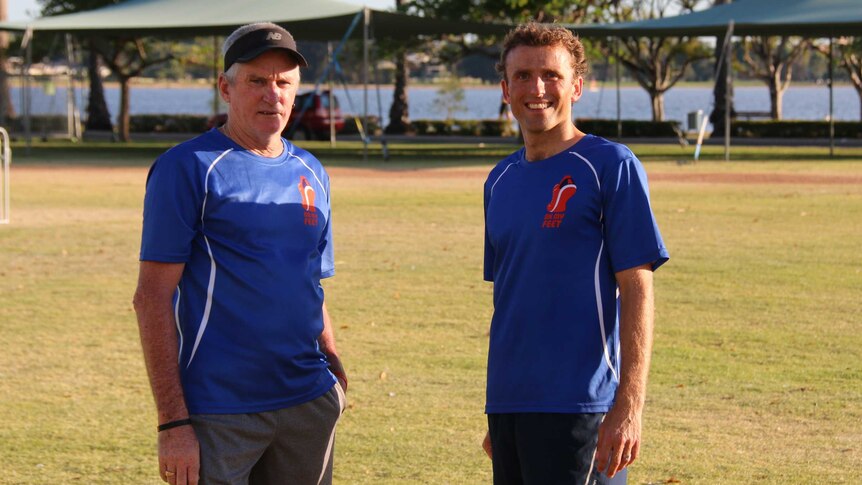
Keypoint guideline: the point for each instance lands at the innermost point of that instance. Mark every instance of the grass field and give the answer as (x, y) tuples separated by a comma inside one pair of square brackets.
[(756, 373)]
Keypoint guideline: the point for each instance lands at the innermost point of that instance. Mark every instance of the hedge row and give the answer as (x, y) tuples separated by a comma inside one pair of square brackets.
[(38, 124), (160, 123), (463, 127), (438, 127), (794, 129), (631, 128)]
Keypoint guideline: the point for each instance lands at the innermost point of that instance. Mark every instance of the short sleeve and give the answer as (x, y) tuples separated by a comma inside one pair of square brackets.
[(631, 232), (172, 211)]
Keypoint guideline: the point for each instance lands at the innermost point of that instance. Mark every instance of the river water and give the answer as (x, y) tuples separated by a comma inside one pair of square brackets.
[(800, 102)]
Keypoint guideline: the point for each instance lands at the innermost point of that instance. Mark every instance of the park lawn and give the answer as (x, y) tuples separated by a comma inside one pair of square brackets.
[(755, 377)]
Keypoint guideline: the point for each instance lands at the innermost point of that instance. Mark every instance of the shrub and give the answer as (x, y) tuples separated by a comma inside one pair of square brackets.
[(794, 129), (350, 127), (39, 125), (631, 128), (164, 123), (495, 128)]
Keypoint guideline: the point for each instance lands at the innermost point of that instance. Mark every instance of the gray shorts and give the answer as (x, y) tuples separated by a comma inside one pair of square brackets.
[(292, 445)]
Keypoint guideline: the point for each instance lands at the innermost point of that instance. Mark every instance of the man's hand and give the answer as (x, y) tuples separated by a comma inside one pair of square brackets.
[(619, 440), (179, 456), (486, 444)]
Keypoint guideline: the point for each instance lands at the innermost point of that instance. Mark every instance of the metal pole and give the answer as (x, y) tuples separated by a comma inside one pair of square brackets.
[(365, 41), (331, 98), (831, 102), (619, 96), (28, 60), (216, 95), (729, 94)]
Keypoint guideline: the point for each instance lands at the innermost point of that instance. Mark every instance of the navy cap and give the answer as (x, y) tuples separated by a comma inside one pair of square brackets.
[(260, 40)]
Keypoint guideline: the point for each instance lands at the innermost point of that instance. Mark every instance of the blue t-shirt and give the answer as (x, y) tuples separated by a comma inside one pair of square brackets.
[(255, 236), (556, 232)]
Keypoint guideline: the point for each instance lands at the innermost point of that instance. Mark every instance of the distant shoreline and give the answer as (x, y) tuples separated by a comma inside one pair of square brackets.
[(149, 83)]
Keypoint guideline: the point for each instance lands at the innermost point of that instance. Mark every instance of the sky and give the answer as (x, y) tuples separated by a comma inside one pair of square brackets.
[(20, 10)]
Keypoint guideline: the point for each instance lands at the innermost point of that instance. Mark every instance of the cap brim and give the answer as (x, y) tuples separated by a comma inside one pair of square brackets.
[(260, 50)]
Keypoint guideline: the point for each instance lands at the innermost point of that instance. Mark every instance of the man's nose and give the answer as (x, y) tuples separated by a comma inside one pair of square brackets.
[(271, 93), (538, 86)]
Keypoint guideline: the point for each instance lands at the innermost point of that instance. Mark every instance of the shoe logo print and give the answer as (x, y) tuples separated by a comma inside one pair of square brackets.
[(306, 192), (556, 208)]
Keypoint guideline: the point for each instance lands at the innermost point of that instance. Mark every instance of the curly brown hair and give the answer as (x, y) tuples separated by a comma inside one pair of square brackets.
[(534, 34)]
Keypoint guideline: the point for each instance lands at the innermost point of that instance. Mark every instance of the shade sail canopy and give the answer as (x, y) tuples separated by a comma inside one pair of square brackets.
[(315, 20), (806, 18)]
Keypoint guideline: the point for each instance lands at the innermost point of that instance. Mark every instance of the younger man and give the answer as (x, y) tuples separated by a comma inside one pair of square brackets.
[(570, 244)]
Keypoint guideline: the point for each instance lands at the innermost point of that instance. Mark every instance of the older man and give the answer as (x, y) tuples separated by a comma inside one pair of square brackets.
[(237, 235), (570, 244)]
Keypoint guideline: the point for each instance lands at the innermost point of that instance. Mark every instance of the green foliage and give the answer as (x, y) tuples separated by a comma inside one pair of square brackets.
[(168, 123), (658, 63), (60, 7), (351, 125), (450, 96), (563, 11), (461, 127), (795, 129), (631, 128), (40, 125)]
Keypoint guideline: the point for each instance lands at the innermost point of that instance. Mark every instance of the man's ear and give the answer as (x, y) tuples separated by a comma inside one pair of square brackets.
[(505, 88), (578, 89), (223, 88)]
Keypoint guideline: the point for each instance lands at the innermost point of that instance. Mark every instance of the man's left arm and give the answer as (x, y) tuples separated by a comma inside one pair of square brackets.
[(620, 432), (327, 346)]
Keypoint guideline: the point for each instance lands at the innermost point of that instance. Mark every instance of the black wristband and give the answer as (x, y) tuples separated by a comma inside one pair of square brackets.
[(174, 424)]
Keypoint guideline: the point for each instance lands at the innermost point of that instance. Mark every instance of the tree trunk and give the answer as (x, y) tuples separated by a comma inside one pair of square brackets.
[(657, 105), (399, 112), (123, 119), (775, 96), (98, 116)]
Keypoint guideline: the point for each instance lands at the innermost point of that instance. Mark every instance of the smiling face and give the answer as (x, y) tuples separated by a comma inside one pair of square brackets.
[(540, 84), (261, 95)]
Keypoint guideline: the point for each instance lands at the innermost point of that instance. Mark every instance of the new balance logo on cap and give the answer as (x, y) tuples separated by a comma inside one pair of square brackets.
[(255, 39)]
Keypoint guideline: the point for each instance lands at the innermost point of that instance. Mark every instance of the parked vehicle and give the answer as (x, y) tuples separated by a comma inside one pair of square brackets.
[(315, 122)]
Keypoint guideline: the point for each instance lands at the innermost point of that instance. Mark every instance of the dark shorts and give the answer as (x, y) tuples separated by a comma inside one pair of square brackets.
[(292, 445), (546, 449)]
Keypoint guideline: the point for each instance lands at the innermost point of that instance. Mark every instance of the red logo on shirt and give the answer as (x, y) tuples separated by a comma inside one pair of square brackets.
[(556, 208), (307, 194)]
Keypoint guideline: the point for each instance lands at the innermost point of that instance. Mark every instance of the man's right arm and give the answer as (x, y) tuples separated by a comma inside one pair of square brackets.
[(178, 447)]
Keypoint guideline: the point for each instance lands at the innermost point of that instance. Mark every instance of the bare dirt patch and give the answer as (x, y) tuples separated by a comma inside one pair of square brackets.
[(752, 178)]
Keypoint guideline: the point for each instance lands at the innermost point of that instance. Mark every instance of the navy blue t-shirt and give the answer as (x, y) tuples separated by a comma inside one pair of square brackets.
[(556, 232), (255, 236)]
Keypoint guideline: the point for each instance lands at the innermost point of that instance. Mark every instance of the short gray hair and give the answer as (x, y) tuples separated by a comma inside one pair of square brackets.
[(230, 74)]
